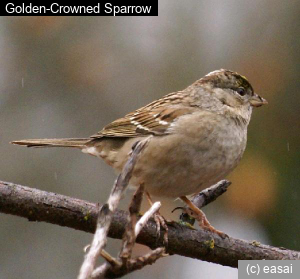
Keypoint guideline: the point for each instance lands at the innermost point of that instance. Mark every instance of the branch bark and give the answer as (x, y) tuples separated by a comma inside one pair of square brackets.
[(107, 210), (41, 206), (125, 263)]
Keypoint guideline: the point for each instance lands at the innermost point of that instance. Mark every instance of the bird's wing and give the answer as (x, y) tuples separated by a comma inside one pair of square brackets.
[(149, 120)]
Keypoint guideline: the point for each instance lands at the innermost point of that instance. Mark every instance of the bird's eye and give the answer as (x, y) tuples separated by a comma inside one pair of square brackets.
[(241, 91)]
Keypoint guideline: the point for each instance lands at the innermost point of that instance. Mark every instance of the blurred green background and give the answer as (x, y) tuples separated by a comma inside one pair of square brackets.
[(70, 76)]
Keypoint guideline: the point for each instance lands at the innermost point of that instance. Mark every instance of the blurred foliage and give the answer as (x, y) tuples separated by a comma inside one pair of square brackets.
[(254, 187)]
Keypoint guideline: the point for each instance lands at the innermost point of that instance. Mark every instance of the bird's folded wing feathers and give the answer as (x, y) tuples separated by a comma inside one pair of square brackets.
[(145, 121)]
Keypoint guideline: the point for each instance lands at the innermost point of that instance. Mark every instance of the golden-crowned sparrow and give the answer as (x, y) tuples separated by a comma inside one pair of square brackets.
[(199, 135)]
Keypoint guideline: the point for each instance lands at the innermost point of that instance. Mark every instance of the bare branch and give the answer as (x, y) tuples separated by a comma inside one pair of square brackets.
[(127, 264), (106, 212), (111, 260), (37, 205), (211, 194), (145, 218), (130, 236), (132, 265)]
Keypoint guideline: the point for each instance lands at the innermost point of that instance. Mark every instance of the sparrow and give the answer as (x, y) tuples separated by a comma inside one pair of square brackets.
[(198, 136)]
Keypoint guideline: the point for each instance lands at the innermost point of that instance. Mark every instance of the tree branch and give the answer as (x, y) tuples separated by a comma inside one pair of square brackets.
[(37, 205), (107, 210), (125, 263)]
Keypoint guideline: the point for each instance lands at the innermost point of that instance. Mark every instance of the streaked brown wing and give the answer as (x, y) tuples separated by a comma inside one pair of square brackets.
[(145, 121)]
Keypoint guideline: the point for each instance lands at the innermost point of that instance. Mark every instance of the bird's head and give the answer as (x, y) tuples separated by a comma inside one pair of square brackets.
[(231, 89)]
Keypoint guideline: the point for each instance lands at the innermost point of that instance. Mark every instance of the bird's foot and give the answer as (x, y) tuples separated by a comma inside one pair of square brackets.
[(161, 222), (195, 213)]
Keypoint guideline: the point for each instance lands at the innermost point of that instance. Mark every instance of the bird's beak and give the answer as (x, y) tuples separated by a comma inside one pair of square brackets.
[(257, 101)]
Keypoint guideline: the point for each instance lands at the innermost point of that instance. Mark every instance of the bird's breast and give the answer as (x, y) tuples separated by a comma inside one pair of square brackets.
[(192, 158)]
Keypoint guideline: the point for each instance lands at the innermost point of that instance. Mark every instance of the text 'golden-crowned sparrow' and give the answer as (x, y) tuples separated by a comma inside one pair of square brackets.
[(199, 135)]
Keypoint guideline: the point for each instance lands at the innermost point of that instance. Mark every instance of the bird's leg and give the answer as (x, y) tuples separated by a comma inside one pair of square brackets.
[(199, 215), (159, 220)]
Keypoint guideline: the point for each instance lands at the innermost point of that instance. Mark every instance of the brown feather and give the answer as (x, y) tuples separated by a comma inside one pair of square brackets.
[(79, 143), (153, 119)]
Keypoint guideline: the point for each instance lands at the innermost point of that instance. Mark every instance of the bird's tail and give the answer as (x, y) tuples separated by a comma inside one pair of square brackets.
[(79, 143)]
